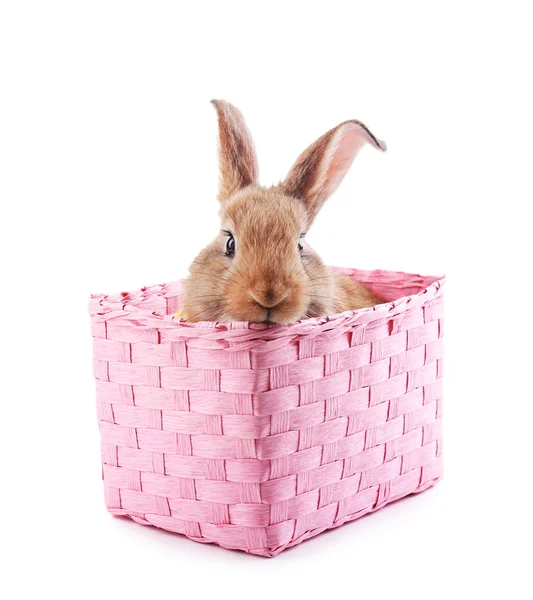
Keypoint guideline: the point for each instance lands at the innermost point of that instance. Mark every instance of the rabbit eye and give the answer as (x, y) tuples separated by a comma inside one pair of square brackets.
[(301, 243), (230, 246)]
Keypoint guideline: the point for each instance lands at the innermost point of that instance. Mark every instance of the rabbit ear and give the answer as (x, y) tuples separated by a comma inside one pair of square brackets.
[(319, 170), (237, 159)]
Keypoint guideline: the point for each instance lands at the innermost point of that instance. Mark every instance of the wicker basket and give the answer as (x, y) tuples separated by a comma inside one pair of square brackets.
[(258, 437)]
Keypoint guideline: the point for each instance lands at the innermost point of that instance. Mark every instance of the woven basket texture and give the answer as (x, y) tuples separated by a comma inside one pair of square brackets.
[(257, 437)]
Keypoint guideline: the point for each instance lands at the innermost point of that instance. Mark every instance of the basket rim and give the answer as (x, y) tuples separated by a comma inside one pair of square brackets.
[(117, 307)]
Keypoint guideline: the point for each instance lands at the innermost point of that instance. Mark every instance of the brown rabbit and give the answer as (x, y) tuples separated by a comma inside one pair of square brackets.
[(260, 268)]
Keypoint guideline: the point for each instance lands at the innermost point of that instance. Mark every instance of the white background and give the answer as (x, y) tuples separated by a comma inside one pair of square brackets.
[(108, 182)]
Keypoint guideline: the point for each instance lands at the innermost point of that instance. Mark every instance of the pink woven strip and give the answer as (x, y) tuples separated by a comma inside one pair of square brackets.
[(258, 437)]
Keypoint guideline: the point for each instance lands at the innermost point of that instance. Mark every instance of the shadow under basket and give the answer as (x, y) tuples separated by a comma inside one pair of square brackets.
[(257, 437)]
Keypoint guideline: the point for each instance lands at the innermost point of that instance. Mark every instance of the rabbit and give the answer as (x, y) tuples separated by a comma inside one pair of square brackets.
[(260, 268)]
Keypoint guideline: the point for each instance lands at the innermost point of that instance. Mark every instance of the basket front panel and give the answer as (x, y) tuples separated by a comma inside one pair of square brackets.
[(259, 446)]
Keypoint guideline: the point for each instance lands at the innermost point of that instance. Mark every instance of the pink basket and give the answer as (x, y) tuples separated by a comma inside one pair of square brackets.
[(258, 437)]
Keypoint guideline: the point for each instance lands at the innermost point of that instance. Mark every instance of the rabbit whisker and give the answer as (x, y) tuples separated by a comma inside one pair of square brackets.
[(209, 308), (219, 279), (315, 268), (204, 296), (233, 266), (296, 264), (304, 270), (225, 267), (313, 284), (203, 265), (324, 297)]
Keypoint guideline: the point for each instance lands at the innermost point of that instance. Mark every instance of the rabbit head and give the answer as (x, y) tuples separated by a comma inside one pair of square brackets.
[(260, 268)]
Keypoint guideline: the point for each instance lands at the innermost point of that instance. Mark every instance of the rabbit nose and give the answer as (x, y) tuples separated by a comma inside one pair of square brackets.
[(269, 299)]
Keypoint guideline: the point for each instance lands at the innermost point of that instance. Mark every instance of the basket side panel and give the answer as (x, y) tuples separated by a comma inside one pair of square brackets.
[(179, 435), (358, 422)]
